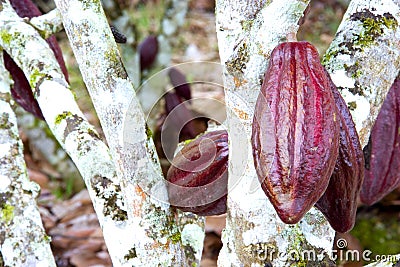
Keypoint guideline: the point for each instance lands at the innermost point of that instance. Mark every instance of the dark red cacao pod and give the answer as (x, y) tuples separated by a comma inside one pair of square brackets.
[(382, 173), (21, 90), (148, 50), (295, 131), (198, 175), (339, 202), (181, 86)]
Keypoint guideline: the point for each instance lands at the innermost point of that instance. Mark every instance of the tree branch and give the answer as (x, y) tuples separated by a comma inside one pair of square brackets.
[(23, 241), (42, 140), (48, 24), (364, 58)]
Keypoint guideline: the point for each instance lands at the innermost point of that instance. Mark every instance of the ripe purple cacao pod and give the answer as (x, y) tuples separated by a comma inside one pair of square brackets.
[(21, 90), (339, 202), (148, 50), (198, 176), (181, 86), (383, 152), (295, 131)]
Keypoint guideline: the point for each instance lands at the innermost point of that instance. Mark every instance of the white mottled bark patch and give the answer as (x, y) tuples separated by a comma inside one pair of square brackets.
[(44, 142), (71, 129), (47, 24)]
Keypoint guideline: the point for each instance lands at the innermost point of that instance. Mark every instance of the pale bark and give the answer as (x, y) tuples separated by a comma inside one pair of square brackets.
[(43, 141), (364, 58), (247, 33), (47, 24), (138, 230), (23, 240)]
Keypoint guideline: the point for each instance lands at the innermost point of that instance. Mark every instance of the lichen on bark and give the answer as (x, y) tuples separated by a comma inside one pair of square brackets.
[(364, 59)]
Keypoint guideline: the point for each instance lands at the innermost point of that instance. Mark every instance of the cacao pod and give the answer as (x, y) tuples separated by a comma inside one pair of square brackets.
[(339, 202), (198, 175), (181, 86), (295, 131), (21, 90), (182, 117), (148, 50), (382, 154)]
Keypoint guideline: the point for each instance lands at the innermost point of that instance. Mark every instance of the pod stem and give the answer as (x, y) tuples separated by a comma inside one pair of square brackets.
[(291, 37)]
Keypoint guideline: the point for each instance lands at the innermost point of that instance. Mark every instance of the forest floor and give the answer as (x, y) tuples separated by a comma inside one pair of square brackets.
[(66, 208)]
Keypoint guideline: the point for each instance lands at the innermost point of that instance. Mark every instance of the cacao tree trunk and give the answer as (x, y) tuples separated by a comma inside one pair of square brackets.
[(41, 140)]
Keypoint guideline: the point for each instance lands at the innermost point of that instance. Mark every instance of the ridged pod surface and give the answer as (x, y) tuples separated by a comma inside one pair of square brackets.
[(339, 202), (198, 175), (21, 90), (382, 173), (295, 131)]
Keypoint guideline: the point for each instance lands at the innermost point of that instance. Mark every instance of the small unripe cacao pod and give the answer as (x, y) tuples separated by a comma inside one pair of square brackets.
[(295, 131), (119, 37), (198, 176)]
